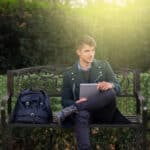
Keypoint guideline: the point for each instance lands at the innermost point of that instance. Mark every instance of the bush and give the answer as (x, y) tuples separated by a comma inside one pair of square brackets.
[(41, 32)]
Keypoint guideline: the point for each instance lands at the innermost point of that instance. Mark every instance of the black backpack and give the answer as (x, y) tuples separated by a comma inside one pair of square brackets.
[(32, 106)]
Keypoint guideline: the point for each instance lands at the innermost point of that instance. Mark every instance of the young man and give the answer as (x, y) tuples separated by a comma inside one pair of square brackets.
[(83, 111)]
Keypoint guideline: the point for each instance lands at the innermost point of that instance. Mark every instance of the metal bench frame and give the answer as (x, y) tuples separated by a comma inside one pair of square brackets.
[(139, 120)]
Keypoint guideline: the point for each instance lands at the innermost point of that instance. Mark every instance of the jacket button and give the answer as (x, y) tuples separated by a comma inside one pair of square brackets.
[(32, 114), (72, 78)]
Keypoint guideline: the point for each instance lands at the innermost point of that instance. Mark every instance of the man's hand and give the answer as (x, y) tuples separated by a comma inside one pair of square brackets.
[(81, 100), (105, 86)]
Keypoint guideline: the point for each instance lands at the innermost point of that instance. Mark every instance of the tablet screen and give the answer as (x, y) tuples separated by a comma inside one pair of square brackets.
[(88, 90)]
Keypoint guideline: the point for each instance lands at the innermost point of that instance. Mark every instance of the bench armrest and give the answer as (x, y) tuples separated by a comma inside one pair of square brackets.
[(141, 99), (3, 110), (143, 106)]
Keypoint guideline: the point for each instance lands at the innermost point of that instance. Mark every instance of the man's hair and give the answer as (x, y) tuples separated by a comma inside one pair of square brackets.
[(86, 39)]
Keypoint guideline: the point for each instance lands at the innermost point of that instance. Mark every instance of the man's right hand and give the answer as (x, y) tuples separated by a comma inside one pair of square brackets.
[(81, 100)]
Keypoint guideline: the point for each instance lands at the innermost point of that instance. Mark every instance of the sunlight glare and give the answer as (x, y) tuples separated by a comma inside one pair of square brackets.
[(108, 1), (120, 3)]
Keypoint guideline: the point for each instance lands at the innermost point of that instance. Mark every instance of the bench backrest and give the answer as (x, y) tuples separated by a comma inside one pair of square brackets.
[(49, 78)]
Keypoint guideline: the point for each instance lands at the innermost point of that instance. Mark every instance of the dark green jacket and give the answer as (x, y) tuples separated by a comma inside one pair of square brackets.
[(100, 71)]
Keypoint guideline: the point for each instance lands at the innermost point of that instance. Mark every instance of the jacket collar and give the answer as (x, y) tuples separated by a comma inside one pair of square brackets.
[(95, 71)]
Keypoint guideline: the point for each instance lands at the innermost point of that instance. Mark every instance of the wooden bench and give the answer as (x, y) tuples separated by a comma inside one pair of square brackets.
[(49, 78)]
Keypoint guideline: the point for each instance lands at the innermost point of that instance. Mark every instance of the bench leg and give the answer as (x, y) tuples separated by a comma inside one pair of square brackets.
[(7, 139)]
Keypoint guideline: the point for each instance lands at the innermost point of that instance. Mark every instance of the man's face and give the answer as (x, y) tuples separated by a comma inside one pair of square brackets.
[(86, 53)]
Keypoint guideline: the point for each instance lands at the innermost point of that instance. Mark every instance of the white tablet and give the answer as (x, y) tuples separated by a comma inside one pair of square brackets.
[(88, 90)]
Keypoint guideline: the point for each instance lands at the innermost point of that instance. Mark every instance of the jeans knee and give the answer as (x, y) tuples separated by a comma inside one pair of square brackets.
[(110, 94), (83, 114), (82, 117)]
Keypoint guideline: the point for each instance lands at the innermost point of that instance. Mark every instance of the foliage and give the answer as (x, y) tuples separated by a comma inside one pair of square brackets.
[(34, 32), (65, 139), (145, 79), (2, 86)]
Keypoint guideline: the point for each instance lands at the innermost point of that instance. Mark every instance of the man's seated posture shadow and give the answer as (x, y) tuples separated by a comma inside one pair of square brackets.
[(82, 111)]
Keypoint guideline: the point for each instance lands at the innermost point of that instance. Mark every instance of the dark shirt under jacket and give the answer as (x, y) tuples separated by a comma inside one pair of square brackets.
[(85, 76)]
